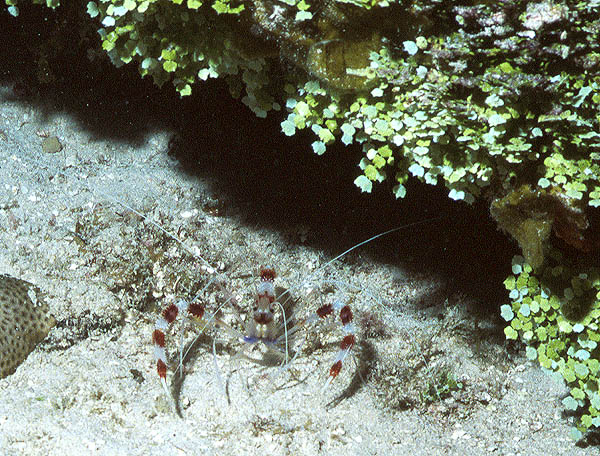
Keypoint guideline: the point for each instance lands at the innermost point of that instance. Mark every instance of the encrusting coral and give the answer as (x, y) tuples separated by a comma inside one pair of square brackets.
[(24, 322)]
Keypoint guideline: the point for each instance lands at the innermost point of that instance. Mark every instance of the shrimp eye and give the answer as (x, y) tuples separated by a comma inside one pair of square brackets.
[(255, 308)]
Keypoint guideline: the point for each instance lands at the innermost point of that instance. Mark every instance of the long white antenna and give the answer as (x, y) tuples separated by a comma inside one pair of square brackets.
[(345, 252)]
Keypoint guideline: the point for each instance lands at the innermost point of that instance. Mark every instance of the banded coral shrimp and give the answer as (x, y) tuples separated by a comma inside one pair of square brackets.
[(262, 326), (273, 322)]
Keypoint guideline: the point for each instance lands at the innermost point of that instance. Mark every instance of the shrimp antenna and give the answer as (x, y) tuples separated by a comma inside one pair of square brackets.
[(345, 252)]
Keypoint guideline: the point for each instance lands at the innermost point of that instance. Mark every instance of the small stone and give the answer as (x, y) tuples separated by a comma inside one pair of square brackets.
[(51, 145)]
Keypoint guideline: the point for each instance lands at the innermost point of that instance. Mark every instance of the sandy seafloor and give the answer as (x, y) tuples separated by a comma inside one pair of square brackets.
[(91, 388)]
